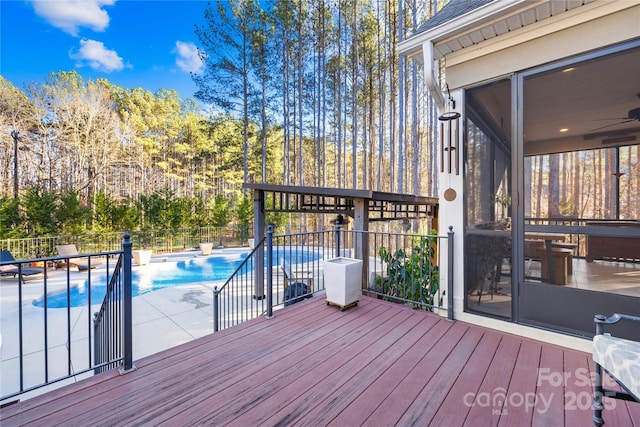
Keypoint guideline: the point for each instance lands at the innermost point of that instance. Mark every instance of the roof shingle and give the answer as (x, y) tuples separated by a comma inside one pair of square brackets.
[(451, 10)]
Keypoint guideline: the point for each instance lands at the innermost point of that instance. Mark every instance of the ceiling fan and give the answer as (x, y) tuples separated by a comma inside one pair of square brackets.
[(632, 115)]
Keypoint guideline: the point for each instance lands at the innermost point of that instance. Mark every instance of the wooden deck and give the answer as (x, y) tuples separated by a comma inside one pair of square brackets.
[(376, 364)]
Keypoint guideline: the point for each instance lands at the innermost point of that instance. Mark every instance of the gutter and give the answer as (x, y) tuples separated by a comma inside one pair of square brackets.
[(430, 75), (425, 41)]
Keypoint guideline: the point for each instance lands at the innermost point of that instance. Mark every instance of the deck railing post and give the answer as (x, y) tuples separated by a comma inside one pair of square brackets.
[(450, 273), (269, 271), (97, 343), (216, 309), (127, 308), (337, 237)]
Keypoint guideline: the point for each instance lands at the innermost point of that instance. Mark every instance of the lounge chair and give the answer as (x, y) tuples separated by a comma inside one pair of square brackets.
[(71, 254), (296, 286), (16, 269)]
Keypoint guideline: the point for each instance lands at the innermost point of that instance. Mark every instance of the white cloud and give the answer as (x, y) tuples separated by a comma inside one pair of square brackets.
[(187, 57), (95, 55), (70, 15)]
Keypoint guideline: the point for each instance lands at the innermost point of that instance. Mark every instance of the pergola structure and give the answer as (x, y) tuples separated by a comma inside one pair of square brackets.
[(362, 205)]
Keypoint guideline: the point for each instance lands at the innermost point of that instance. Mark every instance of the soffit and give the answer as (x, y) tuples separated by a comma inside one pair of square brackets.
[(487, 22), (529, 13)]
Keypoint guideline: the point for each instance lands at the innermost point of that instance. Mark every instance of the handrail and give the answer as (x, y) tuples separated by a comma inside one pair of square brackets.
[(238, 294), (113, 327), (243, 263), (104, 350), (245, 266), (79, 332)]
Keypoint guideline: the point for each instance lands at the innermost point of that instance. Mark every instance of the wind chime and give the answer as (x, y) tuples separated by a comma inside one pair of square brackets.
[(450, 144)]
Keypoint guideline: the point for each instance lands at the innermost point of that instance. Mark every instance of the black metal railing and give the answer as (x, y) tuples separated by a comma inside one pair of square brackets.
[(282, 269), (112, 324), (403, 268), (258, 284), (48, 330), (236, 300)]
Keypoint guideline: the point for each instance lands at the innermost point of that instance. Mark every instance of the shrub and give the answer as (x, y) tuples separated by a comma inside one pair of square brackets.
[(412, 276)]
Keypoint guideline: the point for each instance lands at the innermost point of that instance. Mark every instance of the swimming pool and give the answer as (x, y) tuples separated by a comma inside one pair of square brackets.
[(160, 275)]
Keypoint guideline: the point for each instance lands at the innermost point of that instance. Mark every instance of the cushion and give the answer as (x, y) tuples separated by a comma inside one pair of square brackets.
[(8, 269), (621, 358)]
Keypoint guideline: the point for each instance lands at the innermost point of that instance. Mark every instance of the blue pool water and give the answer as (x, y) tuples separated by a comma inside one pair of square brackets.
[(156, 276)]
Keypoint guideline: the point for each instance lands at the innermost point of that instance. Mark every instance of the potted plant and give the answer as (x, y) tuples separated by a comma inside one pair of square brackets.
[(206, 248), (411, 276), (143, 256)]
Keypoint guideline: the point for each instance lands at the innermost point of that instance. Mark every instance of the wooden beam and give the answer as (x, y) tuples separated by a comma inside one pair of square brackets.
[(361, 242)]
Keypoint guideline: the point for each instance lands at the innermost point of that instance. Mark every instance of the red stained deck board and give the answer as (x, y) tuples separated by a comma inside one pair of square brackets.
[(624, 413), (425, 405), (453, 409), (296, 394), (378, 363), (487, 405), (371, 397), (519, 402), (156, 369), (340, 395), (240, 388), (414, 381), (550, 388), (634, 412), (577, 365), (182, 387)]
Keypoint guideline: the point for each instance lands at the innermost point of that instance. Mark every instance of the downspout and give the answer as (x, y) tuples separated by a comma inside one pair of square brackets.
[(430, 75)]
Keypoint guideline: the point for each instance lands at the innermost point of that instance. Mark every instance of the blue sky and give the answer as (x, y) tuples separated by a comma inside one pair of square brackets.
[(132, 43)]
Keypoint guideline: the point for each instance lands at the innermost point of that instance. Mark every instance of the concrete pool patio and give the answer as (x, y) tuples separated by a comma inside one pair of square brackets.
[(162, 319)]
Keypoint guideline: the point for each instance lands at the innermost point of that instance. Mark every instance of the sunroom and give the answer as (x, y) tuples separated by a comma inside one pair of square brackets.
[(540, 108)]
